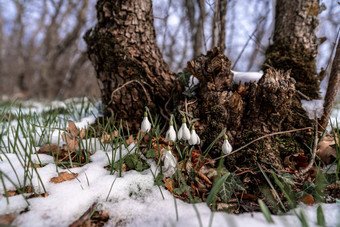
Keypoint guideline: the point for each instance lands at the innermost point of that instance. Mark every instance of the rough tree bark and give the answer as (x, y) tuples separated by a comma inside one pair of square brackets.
[(130, 68), (132, 74), (332, 89), (218, 32), (266, 106), (196, 25), (295, 43)]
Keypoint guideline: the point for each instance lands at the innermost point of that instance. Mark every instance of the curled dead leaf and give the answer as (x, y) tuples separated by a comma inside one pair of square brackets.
[(326, 150), (11, 193), (63, 176), (131, 140), (308, 200), (48, 148), (82, 133), (203, 177), (7, 219), (168, 184), (71, 136), (72, 129), (108, 138), (296, 161)]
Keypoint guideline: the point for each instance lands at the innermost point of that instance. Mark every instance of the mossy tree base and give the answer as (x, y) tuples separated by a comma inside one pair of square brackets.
[(301, 64), (247, 112)]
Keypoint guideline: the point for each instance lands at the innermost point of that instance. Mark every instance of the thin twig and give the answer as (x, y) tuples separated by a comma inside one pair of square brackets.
[(303, 95), (250, 37), (129, 82), (262, 137), (186, 109), (311, 162)]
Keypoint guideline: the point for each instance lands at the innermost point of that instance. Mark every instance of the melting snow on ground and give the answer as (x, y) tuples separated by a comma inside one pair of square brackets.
[(134, 199)]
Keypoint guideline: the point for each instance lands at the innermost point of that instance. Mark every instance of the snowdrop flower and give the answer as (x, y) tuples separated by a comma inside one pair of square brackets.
[(226, 147), (146, 125), (170, 163), (194, 139), (171, 133), (184, 132)]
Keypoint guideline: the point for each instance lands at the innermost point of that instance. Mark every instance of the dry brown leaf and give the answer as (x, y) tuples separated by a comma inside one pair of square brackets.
[(48, 148), (7, 219), (108, 138), (308, 200), (168, 184), (245, 196), (82, 133), (36, 165), (325, 150), (12, 193), (92, 218), (203, 177), (131, 140), (72, 129), (226, 207), (72, 143), (63, 176), (296, 161), (71, 137)]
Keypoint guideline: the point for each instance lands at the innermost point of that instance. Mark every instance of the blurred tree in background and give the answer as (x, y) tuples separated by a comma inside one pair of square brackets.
[(42, 50)]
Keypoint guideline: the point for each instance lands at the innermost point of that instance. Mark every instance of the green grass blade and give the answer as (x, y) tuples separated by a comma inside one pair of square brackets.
[(265, 211), (320, 217), (272, 187), (216, 187)]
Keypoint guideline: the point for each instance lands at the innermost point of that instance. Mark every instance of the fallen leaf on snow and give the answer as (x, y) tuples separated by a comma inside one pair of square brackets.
[(12, 193), (71, 137), (63, 176), (7, 219)]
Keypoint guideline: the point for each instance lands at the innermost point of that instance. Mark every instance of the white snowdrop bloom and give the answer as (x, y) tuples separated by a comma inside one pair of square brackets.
[(194, 138), (169, 163), (146, 125), (171, 133), (226, 147), (184, 132)]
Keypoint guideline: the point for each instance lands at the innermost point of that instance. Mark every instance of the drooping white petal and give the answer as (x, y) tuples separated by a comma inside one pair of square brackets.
[(170, 163), (180, 133), (226, 147), (146, 125), (185, 132), (170, 134), (194, 138)]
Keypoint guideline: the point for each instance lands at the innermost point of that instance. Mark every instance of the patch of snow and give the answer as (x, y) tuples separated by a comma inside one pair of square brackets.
[(85, 122), (134, 200), (313, 108), (246, 77)]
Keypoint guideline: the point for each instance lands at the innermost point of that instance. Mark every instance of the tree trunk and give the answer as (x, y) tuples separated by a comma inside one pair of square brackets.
[(258, 108), (130, 68), (332, 89), (221, 32), (196, 25), (219, 25), (132, 74), (295, 43)]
